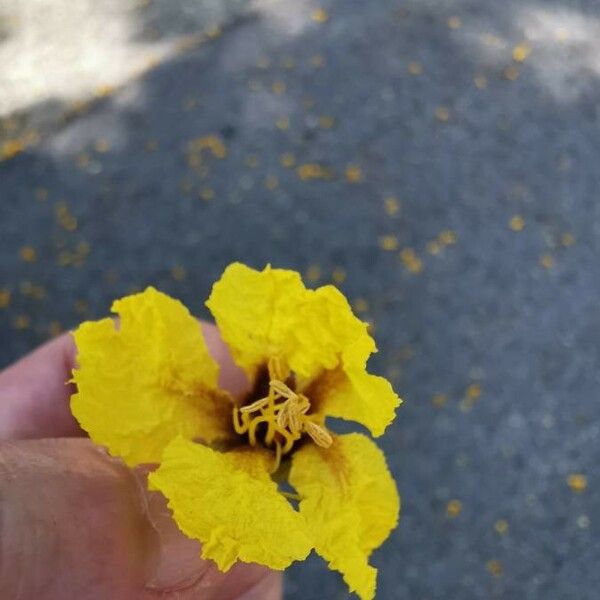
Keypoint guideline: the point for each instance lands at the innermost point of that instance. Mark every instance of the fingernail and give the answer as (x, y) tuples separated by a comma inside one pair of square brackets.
[(173, 561)]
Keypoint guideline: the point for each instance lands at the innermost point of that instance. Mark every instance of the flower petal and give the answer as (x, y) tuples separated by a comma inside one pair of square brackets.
[(350, 392), (262, 314), (350, 504), (148, 379), (324, 328), (229, 502), (255, 311)]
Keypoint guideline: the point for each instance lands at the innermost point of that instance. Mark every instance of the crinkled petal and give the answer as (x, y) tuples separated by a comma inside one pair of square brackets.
[(148, 379), (325, 327), (350, 392), (229, 502), (255, 311), (263, 314), (350, 503)]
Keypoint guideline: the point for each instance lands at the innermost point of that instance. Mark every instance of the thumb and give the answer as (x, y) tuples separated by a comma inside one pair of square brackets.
[(75, 523)]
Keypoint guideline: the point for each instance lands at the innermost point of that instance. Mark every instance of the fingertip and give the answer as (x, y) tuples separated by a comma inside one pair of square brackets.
[(231, 377), (35, 393)]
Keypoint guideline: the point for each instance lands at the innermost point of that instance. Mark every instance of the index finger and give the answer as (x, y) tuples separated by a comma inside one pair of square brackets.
[(34, 393)]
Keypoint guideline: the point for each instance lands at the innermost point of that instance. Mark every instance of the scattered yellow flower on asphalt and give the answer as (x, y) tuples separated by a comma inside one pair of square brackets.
[(480, 81), (501, 526), (414, 67), (28, 254), (21, 322), (83, 160), (453, 509), (577, 482), (454, 22), (32, 290), (411, 261), (101, 146), (317, 61), (4, 298), (211, 143), (10, 149), (434, 247), (361, 305), (547, 261), (392, 205), (353, 173), (326, 122), (207, 194), (147, 390), (517, 223), (447, 237), (313, 273), (388, 242), (278, 87), (439, 400), (511, 73), (338, 275), (521, 52), (320, 15), (567, 239), (64, 217), (178, 273), (442, 114), (308, 171), (494, 567), (271, 182), (104, 91), (473, 391), (282, 123), (472, 394), (287, 160)]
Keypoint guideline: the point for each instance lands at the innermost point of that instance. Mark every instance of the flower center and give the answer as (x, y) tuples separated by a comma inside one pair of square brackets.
[(285, 415)]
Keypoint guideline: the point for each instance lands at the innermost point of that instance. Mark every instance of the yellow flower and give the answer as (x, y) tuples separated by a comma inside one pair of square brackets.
[(147, 390)]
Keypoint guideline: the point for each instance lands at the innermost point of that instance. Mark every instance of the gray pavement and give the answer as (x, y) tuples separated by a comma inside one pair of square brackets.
[(439, 161)]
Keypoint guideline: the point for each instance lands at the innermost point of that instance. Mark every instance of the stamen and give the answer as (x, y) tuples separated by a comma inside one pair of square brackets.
[(240, 427), (283, 390), (277, 457), (252, 428), (278, 369), (257, 405), (319, 435), (289, 439), (282, 417), (286, 414)]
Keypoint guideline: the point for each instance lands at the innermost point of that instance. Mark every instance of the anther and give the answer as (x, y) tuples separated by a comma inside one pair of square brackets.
[(257, 405), (319, 434), (283, 390)]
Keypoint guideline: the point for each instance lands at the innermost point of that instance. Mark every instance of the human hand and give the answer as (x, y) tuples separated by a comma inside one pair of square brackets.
[(76, 523)]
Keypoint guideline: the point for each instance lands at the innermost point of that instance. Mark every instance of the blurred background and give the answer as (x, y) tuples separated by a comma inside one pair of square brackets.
[(439, 161)]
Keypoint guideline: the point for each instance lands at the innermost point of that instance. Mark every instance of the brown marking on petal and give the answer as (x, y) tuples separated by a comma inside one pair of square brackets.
[(322, 386)]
